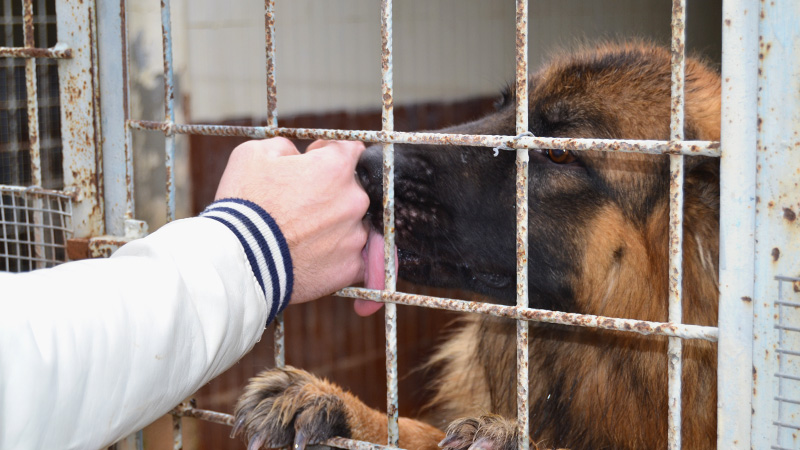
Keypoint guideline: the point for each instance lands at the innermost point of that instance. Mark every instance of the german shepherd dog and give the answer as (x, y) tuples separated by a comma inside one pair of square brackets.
[(598, 244)]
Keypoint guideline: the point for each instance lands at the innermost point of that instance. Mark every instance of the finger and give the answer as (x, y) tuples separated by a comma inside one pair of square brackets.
[(346, 153), (352, 149), (318, 144), (277, 146)]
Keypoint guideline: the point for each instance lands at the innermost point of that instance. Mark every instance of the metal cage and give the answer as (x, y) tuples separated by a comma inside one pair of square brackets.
[(757, 336)]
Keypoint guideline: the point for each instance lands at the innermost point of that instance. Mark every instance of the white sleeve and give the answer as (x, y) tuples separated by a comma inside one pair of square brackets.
[(93, 350)]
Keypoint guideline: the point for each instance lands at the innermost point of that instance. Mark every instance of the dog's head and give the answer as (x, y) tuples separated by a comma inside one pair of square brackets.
[(592, 214)]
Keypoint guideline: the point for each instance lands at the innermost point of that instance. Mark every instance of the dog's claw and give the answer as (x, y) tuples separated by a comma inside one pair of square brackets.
[(256, 442), (483, 444), (452, 442), (300, 440), (237, 427)]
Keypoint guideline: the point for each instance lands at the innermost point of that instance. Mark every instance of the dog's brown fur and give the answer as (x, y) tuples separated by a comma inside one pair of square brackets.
[(588, 388)]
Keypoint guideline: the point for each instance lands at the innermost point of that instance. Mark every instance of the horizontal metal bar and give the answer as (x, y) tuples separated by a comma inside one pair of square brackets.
[(787, 352), (785, 278), (696, 148), (539, 315), (787, 376), (788, 400), (20, 259), (32, 243), (59, 51), (787, 425), (35, 190), (785, 328), (58, 214), (184, 410), (785, 303), (351, 444)]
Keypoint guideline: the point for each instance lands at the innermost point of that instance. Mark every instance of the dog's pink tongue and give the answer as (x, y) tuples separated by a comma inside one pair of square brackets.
[(374, 272)]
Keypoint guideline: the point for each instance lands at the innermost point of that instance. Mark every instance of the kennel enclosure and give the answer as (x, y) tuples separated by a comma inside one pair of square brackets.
[(91, 211)]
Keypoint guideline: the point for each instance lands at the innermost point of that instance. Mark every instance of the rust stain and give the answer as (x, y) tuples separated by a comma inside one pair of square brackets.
[(776, 254), (789, 215), (77, 249)]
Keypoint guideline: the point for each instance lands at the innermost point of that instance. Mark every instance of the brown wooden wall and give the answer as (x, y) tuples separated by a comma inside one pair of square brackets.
[(326, 337)]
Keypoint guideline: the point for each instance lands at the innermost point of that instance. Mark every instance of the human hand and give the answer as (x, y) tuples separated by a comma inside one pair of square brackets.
[(316, 201)]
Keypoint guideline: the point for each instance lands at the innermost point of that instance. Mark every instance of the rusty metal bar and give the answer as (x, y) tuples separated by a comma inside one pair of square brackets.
[(737, 222), (189, 410), (675, 346), (81, 149), (390, 282), (700, 148), (177, 432), (280, 346), (32, 95), (33, 128), (58, 51), (272, 122), (130, 197), (522, 159), (272, 87), (169, 107), (684, 331), (355, 445), (777, 241)]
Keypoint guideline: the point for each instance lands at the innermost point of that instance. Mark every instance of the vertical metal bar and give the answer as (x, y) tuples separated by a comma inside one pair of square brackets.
[(737, 222), (675, 346), (33, 131), (280, 346), (177, 432), (130, 197), (15, 212), (387, 124), (77, 109), (32, 95), (10, 66), (272, 121), (777, 228), (118, 189), (272, 92), (169, 106), (522, 221), (4, 230)]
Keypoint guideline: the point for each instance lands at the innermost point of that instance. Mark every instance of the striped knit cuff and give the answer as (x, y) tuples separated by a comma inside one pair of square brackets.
[(264, 245)]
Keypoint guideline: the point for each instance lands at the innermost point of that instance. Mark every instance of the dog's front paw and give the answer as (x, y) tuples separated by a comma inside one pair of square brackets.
[(282, 407), (490, 432)]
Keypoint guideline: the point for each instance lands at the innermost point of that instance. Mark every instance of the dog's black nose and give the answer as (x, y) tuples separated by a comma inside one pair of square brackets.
[(370, 174)]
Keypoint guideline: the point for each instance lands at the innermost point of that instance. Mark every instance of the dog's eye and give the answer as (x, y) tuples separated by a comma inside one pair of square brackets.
[(559, 156)]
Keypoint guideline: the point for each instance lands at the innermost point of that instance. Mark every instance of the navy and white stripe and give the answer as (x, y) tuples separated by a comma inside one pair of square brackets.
[(264, 245)]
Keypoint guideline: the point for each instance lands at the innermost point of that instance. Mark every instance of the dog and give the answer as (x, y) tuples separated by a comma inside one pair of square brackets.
[(598, 244)]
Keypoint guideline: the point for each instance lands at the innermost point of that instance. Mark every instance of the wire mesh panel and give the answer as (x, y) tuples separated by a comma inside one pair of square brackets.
[(788, 355), (34, 227), (35, 219)]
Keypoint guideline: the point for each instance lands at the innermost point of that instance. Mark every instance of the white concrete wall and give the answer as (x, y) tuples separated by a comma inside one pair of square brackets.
[(328, 51)]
